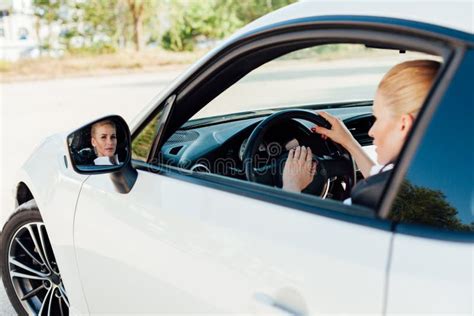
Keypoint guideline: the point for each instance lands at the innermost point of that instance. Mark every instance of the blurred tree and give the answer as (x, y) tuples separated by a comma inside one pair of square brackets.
[(141, 14), (137, 8), (46, 13), (249, 10), (106, 25), (211, 19), (100, 23)]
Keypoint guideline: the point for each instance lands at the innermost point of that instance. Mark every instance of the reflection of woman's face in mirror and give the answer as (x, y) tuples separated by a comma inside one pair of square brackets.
[(104, 138)]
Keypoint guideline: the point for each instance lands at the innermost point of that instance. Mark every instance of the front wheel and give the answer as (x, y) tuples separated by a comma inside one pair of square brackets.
[(30, 273)]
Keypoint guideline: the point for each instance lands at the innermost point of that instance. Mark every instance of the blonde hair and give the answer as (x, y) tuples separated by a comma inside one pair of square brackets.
[(101, 123), (406, 86)]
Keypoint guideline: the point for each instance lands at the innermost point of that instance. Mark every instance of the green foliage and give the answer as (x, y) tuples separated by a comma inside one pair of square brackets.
[(47, 10), (142, 143), (101, 16), (212, 19), (95, 49), (249, 10), (422, 205), (100, 23), (190, 19), (110, 24), (97, 26)]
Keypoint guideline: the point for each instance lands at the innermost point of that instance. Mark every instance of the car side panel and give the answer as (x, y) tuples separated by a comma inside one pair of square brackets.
[(429, 276), (55, 189), (173, 246)]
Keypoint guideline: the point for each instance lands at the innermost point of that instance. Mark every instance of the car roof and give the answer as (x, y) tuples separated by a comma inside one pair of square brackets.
[(456, 14)]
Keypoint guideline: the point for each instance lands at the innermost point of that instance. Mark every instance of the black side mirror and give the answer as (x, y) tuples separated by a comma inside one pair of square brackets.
[(104, 146)]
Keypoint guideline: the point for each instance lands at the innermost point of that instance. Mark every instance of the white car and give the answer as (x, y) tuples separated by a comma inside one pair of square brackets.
[(189, 216)]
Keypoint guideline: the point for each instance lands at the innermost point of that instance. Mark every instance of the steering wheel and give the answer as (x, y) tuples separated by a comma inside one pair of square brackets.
[(338, 163)]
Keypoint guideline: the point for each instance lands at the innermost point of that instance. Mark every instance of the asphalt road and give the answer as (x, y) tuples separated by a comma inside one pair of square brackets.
[(30, 111)]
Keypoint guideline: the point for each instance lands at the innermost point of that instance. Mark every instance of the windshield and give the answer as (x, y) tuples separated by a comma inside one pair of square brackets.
[(317, 75)]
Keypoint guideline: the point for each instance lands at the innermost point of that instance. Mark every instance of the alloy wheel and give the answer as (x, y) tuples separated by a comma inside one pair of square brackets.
[(34, 272)]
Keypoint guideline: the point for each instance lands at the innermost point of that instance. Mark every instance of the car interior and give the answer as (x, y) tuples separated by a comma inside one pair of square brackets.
[(225, 135)]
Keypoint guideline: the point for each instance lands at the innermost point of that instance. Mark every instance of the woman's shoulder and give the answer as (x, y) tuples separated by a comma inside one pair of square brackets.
[(369, 191), (104, 160)]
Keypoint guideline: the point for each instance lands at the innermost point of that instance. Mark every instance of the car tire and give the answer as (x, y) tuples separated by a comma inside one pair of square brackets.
[(29, 270)]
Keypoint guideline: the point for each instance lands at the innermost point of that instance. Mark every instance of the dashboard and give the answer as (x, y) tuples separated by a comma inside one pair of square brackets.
[(218, 147)]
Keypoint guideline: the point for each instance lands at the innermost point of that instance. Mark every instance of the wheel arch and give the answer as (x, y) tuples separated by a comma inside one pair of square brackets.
[(23, 194), (23, 191)]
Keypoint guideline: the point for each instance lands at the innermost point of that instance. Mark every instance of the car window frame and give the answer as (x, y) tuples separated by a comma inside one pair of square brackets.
[(439, 46), (413, 228), (409, 148)]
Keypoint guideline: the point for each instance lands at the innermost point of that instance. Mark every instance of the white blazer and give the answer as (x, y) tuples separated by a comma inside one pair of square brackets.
[(105, 161)]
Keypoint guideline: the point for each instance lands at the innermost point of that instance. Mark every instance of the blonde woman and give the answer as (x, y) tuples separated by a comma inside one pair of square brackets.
[(398, 100), (104, 142)]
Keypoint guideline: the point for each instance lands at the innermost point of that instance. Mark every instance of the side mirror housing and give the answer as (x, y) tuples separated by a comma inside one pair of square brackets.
[(104, 146)]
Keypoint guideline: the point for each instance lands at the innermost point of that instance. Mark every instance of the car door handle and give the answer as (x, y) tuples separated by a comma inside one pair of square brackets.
[(273, 305)]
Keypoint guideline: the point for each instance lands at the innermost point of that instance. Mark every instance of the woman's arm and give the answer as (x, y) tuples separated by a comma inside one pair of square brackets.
[(341, 135), (362, 159)]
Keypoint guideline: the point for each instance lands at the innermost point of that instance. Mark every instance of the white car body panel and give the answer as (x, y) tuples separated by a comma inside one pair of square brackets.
[(55, 189), (430, 276), (239, 247)]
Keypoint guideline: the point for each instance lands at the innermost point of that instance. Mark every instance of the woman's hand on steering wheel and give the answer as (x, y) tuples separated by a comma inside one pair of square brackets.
[(301, 174), (299, 169), (338, 131)]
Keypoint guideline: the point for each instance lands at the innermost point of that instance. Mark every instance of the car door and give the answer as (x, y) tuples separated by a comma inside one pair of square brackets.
[(431, 270), (183, 241), (174, 246)]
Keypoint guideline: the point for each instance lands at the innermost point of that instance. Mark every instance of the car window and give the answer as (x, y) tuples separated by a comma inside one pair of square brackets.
[(338, 78), (141, 144), (438, 186), (316, 75)]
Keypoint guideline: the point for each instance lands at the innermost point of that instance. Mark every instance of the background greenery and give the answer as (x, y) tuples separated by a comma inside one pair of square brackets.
[(106, 26)]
